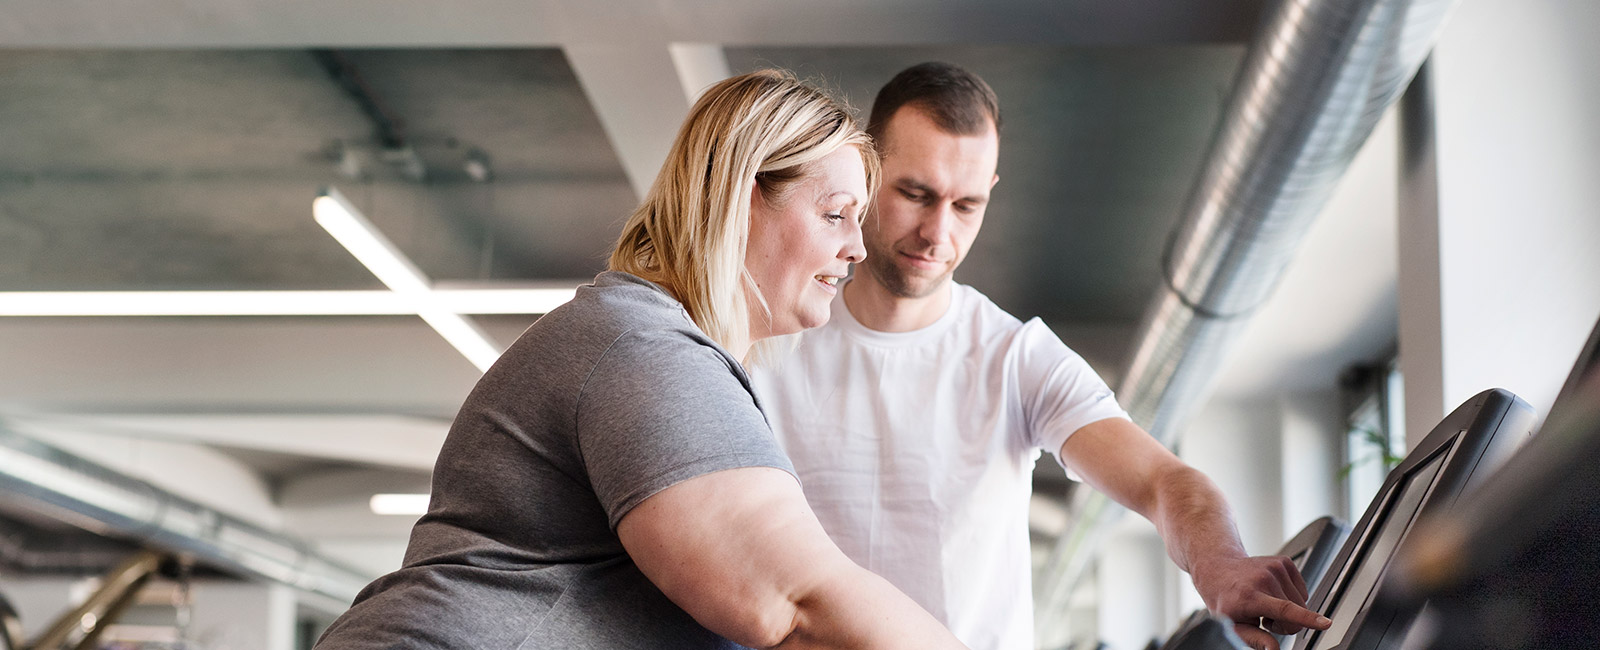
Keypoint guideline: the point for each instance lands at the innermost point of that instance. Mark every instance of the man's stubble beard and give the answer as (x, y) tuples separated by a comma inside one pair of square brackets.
[(897, 282)]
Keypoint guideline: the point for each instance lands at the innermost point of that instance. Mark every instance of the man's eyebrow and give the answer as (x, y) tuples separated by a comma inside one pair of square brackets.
[(917, 186), (908, 184)]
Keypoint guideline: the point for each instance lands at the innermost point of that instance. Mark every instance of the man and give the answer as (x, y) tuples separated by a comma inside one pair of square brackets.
[(915, 415)]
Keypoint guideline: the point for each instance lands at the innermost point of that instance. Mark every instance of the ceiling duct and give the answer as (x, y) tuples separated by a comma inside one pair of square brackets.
[(1312, 87), (48, 481)]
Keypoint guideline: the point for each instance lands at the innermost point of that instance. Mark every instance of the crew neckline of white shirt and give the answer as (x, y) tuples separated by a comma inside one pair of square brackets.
[(853, 328)]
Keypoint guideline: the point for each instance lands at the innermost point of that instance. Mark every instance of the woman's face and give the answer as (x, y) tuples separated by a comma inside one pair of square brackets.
[(802, 245)]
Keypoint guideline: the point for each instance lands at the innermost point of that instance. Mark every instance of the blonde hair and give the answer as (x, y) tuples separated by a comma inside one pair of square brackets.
[(760, 130)]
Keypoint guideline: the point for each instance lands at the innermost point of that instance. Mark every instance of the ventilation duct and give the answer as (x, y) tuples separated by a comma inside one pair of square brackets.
[(1310, 90), (48, 481)]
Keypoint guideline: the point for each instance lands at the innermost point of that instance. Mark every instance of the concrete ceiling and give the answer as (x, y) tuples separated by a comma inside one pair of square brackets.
[(178, 145)]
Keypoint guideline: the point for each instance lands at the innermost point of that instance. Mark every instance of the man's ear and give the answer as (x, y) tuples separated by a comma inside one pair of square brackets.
[(996, 180)]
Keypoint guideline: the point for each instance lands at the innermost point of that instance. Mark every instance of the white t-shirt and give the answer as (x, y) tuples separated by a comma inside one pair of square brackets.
[(916, 451)]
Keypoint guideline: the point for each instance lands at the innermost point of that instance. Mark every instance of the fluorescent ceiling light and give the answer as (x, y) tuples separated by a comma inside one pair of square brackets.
[(409, 293), (399, 504), (470, 341), (279, 303), (342, 220), (379, 255)]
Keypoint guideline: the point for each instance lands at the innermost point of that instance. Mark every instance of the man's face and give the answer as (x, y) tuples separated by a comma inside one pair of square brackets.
[(935, 189)]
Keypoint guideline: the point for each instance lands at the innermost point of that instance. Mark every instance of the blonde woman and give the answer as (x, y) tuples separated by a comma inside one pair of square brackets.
[(612, 482)]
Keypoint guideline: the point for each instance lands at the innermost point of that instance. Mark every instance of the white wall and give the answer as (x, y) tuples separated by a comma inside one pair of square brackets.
[(1517, 95), (1239, 445), (39, 600), (227, 614), (1132, 580), (243, 616), (1312, 432)]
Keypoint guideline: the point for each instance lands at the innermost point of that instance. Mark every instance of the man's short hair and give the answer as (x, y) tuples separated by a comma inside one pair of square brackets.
[(959, 102)]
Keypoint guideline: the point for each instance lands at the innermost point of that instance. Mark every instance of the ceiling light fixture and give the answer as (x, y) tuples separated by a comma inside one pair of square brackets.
[(399, 504), (410, 292), (347, 225), (504, 300)]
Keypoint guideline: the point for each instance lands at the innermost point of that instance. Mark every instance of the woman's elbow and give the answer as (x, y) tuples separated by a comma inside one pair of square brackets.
[(756, 623)]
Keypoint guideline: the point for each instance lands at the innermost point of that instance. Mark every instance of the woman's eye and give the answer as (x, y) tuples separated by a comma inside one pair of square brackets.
[(833, 217)]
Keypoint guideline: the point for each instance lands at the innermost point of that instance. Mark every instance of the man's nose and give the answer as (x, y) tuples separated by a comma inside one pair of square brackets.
[(936, 224)]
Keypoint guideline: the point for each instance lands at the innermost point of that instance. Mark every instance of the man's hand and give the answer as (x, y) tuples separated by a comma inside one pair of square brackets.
[(1121, 460), (1251, 591)]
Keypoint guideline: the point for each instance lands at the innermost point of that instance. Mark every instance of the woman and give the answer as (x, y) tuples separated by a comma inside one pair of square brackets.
[(611, 481)]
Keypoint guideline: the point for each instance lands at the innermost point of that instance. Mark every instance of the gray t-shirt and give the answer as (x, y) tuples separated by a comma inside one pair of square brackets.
[(602, 403)]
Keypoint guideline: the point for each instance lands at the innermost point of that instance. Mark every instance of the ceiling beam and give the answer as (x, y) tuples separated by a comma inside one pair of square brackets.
[(699, 65), (554, 23), (635, 90), (387, 440), (220, 365)]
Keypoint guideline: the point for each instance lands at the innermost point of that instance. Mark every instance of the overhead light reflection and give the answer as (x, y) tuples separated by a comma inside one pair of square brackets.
[(347, 225), (399, 504)]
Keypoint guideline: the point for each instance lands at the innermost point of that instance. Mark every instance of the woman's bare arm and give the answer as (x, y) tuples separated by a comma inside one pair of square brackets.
[(742, 552)]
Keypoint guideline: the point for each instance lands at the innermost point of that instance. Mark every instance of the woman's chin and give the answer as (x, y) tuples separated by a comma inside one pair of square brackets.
[(799, 326), (813, 321)]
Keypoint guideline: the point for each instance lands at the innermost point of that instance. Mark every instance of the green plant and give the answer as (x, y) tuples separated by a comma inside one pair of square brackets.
[(1376, 440)]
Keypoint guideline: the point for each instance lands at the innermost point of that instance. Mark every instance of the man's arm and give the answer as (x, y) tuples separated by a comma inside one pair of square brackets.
[(742, 552), (1120, 459)]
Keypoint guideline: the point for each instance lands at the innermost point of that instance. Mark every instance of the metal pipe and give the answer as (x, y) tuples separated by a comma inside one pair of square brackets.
[(1311, 89), (73, 490)]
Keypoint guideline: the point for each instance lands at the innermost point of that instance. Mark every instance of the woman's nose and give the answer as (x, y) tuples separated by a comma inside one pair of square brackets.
[(854, 249)]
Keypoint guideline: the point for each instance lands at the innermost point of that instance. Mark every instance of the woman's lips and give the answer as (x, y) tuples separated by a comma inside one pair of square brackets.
[(829, 283)]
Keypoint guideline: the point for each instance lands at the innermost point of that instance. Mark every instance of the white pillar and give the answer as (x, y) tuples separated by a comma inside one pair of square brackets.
[(1132, 585), (699, 66), (229, 615), (1310, 460), (636, 92), (40, 600), (1418, 272), (1238, 445)]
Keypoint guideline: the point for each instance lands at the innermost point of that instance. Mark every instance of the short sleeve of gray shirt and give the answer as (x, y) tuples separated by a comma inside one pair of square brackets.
[(656, 412), (648, 420)]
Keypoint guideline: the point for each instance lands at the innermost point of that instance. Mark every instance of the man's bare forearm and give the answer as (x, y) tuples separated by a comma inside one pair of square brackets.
[(1194, 520)]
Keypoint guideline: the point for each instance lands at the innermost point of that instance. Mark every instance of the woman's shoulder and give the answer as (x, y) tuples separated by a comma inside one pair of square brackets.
[(617, 307), (618, 303)]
